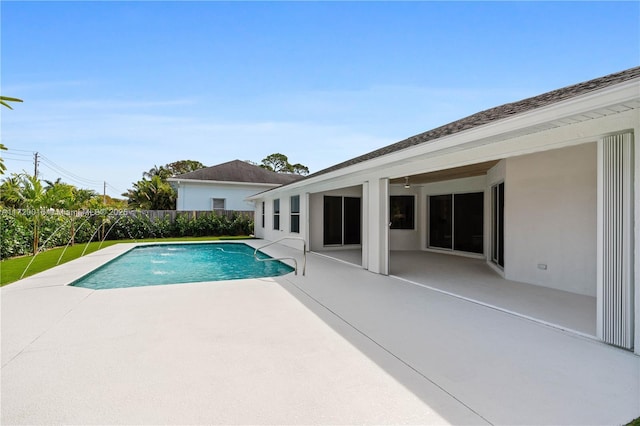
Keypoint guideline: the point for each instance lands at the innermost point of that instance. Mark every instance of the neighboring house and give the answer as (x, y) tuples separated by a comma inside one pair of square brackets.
[(545, 189), (225, 186)]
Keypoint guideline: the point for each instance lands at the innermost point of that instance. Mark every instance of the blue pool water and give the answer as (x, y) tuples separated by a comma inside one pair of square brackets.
[(181, 263)]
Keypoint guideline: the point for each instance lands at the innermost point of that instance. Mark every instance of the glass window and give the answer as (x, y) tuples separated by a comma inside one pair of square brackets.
[(401, 212), (218, 203), (295, 213), (276, 214)]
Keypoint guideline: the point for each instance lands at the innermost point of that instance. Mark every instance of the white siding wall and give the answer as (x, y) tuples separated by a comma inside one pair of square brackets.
[(197, 196), (550, 219)]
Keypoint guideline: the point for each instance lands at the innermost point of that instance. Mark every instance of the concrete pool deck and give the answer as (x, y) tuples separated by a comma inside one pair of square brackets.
[(337, 346)]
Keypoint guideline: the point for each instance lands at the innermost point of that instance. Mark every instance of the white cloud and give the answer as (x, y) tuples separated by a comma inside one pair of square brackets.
[(116, 140)]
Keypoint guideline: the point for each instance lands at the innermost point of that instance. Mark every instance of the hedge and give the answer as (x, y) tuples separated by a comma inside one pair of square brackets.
[(58, 228)]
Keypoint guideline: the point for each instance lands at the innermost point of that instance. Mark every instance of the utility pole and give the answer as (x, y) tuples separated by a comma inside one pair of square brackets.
[(35, 164), (104, 193)]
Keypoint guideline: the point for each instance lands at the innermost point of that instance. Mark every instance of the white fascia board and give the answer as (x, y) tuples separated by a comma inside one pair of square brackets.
[(598, 99), (223, 182), (560, 137), (619, 94)]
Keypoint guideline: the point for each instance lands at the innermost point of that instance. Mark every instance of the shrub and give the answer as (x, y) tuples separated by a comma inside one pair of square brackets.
[(58, 229)]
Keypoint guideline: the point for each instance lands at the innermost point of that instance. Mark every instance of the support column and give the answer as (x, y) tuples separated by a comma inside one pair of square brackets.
[(636, 247), (377, 225), (365, 225), (306, 208)]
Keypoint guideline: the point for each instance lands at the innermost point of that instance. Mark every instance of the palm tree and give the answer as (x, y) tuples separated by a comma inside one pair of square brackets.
[(3, 101), (152, 194), (161, 172), (2, 166), (34, 197), (60, 195), (10, 192)]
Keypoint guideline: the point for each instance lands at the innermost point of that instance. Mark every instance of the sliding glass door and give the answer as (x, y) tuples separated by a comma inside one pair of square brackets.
[(352, 215), (342, 221), (497, 224), (332, 221), (456, 222), (441, 221)]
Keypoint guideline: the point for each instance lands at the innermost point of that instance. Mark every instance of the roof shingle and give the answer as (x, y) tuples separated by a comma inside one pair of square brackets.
[(239, 171), (491, 115)]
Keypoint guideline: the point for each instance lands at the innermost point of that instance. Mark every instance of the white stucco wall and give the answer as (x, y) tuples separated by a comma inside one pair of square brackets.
[(197, 196), (550, 219), (267, 232)]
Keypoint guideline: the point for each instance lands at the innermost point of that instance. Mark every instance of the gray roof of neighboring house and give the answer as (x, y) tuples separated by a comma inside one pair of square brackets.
[(239, 171), (493, 114)]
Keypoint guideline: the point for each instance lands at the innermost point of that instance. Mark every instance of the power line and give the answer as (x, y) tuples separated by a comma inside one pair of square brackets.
[(30, 151), (67, 173), (118, 190), (10, 152), (27, 156), (19, 157)]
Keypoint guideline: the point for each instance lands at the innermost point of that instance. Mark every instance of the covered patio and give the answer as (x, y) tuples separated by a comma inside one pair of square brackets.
[(473, 280)]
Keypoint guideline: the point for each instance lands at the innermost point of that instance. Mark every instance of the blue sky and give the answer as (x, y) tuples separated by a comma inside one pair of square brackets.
[(113, 88)]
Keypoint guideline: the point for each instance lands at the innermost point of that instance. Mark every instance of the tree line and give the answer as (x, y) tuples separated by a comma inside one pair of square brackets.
[(152, 192)]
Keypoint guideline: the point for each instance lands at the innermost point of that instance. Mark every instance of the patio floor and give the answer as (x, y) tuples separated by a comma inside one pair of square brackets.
[(474, 280), (337, 346)]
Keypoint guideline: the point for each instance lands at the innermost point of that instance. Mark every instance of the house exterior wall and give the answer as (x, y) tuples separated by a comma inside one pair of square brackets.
[(636, 254), (267, 231), (548, 164), (197, 196), (550, 219)]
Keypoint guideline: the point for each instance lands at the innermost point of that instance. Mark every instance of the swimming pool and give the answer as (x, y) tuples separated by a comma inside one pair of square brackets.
[(161, 264)]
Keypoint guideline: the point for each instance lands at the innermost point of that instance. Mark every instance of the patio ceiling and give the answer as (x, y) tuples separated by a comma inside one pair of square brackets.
[(471, 170)]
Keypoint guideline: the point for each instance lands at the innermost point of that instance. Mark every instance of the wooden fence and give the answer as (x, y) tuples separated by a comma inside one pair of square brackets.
[(172, 214)]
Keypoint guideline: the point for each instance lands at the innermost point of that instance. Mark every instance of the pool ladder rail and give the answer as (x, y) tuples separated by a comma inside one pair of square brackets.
[(295, 261)]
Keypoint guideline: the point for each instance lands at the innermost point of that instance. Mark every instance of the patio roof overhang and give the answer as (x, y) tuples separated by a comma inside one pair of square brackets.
[(472, 170)]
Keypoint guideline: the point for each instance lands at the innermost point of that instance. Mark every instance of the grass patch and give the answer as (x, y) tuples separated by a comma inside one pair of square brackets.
[(11, 269)]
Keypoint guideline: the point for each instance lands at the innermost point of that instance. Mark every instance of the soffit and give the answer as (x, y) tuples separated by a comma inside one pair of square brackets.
[(471, 170), (573, 119)]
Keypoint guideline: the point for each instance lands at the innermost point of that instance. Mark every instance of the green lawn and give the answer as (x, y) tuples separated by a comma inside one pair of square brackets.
[(12, 269)]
